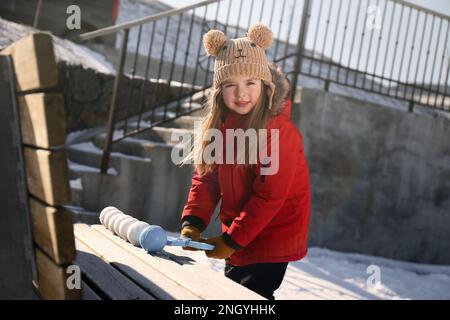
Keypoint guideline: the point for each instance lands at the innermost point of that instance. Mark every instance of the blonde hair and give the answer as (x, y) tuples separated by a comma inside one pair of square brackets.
[(215, 114)]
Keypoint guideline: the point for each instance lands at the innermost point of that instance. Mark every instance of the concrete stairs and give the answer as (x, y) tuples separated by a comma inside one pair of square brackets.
[(142, 179)]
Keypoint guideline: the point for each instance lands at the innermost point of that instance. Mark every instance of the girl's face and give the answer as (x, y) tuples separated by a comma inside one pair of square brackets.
[(241, 94)]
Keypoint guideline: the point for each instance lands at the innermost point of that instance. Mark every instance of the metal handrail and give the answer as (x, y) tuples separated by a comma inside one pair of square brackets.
[(422, 9), (127, 25), (135, 23)]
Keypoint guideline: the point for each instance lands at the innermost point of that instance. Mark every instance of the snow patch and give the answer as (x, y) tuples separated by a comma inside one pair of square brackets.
[(92, 148), (330, 275), (65, 50), (75, 184), (73, 166)]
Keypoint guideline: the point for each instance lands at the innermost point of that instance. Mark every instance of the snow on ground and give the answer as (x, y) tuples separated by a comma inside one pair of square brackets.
[(330, 275), (326, 274)]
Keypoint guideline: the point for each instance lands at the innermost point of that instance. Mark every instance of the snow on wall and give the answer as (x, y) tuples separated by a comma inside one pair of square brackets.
[(65, 50)]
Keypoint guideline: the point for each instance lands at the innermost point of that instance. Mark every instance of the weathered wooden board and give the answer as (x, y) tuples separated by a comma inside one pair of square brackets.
[(87, 293), (48, 175), (195, 277), (153, 281), (106, 278), (16, 253), (34, 62), (42, 120), (52, 279), (53, 231)]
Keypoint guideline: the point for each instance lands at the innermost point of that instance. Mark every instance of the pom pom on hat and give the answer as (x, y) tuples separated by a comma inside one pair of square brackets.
[(261, 35), (213, 40)]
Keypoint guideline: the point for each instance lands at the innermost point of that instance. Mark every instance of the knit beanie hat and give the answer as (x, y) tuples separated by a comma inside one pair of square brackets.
[(240, 57)]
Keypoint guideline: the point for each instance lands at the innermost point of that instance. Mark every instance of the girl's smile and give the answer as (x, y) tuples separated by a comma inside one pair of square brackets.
[(241, 94), (242, 103)]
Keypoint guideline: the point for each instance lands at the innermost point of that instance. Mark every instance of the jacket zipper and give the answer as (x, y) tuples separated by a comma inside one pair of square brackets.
[(262, 176), (232, 187)]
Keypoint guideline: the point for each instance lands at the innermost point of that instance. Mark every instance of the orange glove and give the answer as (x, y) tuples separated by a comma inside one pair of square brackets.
[(221, 250), (193, 233)]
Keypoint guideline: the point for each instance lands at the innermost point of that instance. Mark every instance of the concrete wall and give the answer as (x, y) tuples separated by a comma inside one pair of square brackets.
[(87, 96), (380, 178)]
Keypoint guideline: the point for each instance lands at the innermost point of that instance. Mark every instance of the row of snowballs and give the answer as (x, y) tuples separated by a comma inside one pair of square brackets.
[(133, 230)]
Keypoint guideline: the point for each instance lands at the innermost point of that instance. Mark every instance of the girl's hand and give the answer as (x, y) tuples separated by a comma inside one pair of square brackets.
[(221, 250), (193, 233)]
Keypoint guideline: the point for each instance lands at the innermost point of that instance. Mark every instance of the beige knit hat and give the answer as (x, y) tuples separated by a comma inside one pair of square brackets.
[(240, 57)]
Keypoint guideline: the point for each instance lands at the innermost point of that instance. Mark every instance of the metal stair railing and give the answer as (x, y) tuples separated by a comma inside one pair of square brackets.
[(388, 47), (336, 41)]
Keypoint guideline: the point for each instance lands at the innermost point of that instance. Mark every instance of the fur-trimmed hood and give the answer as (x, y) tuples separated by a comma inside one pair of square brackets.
[(282, 88)]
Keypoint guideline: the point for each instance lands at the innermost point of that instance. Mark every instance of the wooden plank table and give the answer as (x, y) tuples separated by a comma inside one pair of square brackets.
[(115, 269)]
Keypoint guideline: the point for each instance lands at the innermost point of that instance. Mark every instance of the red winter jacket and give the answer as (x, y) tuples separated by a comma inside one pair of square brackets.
[(265, 217)]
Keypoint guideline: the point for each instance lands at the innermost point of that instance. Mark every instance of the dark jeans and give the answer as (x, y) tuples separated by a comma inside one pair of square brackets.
[(263, 278)]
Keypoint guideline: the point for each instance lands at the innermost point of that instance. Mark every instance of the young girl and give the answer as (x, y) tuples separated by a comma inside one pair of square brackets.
[(265, 216)]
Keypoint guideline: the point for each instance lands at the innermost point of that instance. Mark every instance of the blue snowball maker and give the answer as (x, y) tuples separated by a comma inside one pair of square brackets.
[(153, 238)]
